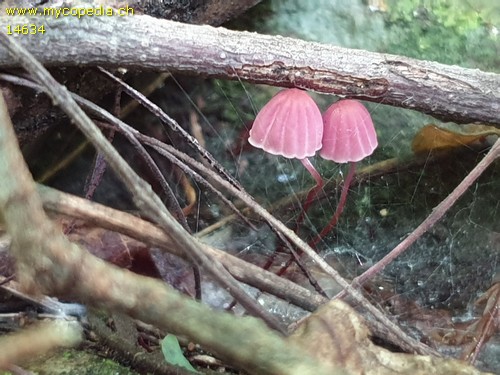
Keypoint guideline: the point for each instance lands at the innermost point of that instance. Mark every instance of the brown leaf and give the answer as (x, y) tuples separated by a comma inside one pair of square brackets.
[(431, 137), (125, 252), (115, 248)]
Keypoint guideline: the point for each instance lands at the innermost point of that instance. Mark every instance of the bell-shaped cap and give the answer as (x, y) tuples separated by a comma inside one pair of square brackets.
[(348, 133), (290, 125)]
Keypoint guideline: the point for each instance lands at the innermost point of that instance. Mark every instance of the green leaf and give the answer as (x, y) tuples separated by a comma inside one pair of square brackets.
[(173, 353)]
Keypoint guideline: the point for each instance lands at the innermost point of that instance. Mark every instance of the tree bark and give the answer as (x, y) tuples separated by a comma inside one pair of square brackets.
[(450, 93)]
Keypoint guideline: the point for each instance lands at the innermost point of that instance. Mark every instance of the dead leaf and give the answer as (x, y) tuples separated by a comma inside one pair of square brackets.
[(126, 252), (116, 248), (432, 137)]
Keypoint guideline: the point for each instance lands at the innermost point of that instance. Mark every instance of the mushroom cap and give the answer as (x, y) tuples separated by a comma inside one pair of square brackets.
[(348, 134), (290, 125)]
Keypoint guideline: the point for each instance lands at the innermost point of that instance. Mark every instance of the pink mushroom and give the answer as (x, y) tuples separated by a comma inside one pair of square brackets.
[(348, 137), (290, 125)]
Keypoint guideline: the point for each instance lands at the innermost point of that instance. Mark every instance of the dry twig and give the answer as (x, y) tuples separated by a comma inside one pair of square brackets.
[(450, 93)]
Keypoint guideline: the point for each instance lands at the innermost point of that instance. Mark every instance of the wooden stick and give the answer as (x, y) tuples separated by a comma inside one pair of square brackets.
[(450, 93)]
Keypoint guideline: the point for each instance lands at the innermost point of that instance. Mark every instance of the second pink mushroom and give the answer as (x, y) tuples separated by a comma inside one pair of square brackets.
[(348, 137)]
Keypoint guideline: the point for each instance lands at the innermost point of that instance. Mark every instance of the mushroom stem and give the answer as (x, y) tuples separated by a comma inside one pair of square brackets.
[(314, 173), (340, 206), (310, 196)]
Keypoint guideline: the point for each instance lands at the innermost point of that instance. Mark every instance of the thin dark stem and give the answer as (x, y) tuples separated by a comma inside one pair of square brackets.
[(98, 170), (296, 255), (198, 178), (340, 206)]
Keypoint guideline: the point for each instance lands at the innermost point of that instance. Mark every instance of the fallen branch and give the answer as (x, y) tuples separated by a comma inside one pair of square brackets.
[(450, 93)]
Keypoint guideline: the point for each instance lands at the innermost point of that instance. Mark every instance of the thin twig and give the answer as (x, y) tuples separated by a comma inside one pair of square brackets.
[(145, 199), (436, 215), (166, 119), (186, 169)]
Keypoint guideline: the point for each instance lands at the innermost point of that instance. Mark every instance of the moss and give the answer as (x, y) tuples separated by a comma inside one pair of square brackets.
[(77, 362), (446, 31)]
